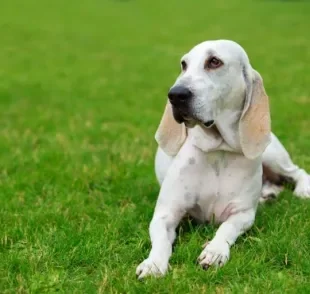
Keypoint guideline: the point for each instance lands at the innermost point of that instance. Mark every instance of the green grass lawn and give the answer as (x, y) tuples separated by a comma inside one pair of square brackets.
[(82, 88)]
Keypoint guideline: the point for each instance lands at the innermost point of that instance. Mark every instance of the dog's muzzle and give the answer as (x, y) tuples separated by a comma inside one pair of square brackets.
[(180, 98)]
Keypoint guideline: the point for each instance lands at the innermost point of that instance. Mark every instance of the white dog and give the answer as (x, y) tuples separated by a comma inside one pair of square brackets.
[(215, 150)]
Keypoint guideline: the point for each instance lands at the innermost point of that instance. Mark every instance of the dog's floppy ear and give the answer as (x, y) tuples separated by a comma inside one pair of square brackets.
[(170, 135), (255, 122)]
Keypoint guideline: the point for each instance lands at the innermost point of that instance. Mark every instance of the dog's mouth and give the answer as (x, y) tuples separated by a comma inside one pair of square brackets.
[(209, 123), (183, 116), (190, 123)]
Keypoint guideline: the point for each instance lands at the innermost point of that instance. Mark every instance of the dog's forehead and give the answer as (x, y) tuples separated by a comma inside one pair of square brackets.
[(221, 48)]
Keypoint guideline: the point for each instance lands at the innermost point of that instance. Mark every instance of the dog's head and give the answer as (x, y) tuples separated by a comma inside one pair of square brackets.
[(217, 83)]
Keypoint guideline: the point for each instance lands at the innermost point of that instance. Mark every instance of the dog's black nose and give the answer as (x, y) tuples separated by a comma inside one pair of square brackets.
[(179, 94)]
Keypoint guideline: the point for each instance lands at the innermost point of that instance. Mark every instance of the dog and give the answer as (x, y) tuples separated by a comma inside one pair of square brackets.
[(217, 158)]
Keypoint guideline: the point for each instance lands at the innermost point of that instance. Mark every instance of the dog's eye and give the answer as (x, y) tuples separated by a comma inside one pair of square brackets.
[(183, 65), (213, 63)]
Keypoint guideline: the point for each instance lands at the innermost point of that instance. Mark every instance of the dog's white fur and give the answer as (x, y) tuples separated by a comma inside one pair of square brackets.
[(216, 173)]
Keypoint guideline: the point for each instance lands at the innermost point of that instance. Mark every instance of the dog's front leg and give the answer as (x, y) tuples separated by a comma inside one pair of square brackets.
[(162, 233), (216, 252), (172, 204), (176, 197)]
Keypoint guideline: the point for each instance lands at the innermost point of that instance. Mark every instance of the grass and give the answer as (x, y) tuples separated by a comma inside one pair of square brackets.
[(83, 86)]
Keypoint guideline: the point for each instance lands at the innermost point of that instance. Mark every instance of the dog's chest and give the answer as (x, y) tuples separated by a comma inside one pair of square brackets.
[(216, 187)]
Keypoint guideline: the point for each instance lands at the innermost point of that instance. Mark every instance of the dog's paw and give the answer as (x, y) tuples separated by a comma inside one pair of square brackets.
[(215, 253), (150, 267), (302, 189)]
